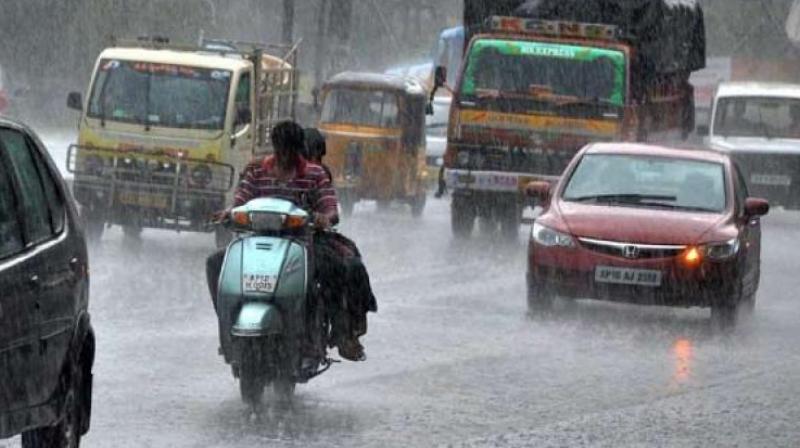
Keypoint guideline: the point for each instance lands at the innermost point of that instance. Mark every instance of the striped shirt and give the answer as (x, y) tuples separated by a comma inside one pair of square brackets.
[(310, 189)]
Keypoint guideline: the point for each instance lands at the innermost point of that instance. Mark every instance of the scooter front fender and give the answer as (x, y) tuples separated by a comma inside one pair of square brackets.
[(258, 319)]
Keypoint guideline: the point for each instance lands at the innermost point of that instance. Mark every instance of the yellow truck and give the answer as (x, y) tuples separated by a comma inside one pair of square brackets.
[(166, 129)]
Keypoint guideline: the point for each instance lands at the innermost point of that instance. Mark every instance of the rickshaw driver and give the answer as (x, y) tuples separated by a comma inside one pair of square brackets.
[(288, 175)]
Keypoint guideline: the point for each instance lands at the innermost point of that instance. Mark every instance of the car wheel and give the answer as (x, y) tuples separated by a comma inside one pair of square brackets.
[(67, 433), (462, 217), (725, 312)]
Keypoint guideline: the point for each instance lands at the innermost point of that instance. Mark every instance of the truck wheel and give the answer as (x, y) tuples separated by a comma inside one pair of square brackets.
[(94, 224), (540, 301), (67, 433), (418, 205), (222, 237), (462, 217), (283, 389), (132, 232), (509, 217), (348, 204)]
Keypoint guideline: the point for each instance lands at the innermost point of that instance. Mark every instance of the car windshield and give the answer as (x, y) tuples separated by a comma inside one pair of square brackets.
[(758, 117), (544, 71), (164, 95), (645, 181), (361, 107)]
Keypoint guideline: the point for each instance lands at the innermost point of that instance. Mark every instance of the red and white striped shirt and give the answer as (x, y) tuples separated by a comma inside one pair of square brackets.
[(310, 189)]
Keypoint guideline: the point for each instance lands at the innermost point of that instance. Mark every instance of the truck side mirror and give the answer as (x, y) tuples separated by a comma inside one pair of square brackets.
[(243, 117), (75, 101), (440, 77), (539, 190)]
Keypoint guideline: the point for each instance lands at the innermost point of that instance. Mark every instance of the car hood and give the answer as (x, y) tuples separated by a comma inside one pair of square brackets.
[(637, 225), (756, 145)]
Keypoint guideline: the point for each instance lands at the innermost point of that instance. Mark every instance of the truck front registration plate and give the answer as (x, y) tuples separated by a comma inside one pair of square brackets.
[(627, 276), (259, 283), (143, 200), (774, 180)]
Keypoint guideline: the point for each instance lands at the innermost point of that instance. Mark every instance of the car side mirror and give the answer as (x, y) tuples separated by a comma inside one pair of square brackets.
[(703, 130), (539, 190), (754, 207), (75, 101)]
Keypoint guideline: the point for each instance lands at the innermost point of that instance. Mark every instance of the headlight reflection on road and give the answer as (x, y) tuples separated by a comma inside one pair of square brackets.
[(683, 354)]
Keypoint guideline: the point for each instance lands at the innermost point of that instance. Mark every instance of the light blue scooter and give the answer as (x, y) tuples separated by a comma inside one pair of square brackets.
[(272, 324)]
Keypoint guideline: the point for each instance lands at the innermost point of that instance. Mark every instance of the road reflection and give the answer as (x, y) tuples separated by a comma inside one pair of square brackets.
[(683, 354)]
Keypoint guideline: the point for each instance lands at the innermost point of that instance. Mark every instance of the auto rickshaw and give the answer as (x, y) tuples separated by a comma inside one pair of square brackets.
[(374, 126)]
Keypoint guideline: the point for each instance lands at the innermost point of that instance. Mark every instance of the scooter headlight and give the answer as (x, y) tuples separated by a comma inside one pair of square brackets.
[(548, 237)]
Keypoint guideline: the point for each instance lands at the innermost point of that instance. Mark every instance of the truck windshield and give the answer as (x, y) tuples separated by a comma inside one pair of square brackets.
[(161, 95), (646, 181), (767, 117), (361, 107), (544, 71)]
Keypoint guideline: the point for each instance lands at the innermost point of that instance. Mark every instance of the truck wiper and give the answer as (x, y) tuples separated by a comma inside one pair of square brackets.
[(595, 101)]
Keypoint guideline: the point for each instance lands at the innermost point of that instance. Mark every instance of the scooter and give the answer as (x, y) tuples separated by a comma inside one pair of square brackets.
[(273, 328)]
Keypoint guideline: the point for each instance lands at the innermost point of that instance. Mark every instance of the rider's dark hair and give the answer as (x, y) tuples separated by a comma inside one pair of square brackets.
[(288, 135), (315, 144)]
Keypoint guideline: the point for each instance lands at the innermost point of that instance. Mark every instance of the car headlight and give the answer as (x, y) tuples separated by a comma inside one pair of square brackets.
[(722, 251), (548, 237)]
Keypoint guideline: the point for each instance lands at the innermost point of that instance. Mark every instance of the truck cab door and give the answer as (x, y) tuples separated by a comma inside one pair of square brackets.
[(242, 128)]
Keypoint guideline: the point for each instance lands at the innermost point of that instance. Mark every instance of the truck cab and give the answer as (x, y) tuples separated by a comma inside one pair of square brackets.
[(758, 124), (165, 130), (531, 93)]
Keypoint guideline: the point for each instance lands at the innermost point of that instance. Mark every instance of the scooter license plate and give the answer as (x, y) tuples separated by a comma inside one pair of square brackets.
[(258, 283)]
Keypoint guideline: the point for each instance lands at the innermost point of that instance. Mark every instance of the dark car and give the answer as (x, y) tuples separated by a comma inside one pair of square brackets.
[(46, 339), (647, 225)]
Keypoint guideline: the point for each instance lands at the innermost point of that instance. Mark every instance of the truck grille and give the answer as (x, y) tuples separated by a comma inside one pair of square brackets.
[(520, 160)]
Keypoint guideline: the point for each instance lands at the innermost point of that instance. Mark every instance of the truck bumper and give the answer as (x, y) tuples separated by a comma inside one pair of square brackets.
[(491, 181)]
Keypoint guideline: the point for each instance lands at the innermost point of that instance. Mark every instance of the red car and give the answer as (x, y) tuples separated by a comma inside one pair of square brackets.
[(647, 225)]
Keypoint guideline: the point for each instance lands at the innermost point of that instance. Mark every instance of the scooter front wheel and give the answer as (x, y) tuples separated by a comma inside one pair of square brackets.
[(251, 375)]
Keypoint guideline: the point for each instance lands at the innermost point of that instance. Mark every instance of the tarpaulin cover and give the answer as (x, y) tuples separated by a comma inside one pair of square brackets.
[(668, 35)]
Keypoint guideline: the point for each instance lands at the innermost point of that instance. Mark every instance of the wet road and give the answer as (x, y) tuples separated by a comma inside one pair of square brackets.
[(452, 358)]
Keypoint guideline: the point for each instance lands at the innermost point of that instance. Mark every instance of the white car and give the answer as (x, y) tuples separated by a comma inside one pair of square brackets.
[(758, 124)]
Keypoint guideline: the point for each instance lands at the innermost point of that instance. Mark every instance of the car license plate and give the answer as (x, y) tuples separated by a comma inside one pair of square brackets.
[(773, 180), (626, 276), (259, 283), (143, 200)]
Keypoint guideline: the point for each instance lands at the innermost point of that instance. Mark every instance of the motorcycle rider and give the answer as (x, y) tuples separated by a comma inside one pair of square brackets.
[(288, 175)]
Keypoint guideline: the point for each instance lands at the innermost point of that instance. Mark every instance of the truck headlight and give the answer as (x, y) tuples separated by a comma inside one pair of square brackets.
[(201, 176), (722, 251), (463, 159), (548, 237)]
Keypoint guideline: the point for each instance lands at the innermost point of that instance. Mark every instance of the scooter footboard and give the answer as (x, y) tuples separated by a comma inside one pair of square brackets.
[(258, 319)]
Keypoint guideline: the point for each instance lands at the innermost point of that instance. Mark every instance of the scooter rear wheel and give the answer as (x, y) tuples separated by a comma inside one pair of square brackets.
[(251, 377)]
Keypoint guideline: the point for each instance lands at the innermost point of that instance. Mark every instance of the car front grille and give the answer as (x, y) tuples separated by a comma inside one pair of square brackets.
[(631, 251)]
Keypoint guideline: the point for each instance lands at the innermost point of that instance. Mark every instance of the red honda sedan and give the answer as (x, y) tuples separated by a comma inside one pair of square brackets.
[(647, 225)]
